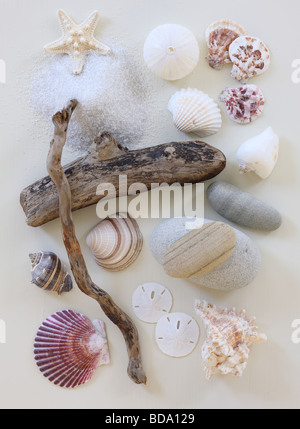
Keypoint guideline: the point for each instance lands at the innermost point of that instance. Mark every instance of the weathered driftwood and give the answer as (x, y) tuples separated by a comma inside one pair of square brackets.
[(78, 266), (188, 162)]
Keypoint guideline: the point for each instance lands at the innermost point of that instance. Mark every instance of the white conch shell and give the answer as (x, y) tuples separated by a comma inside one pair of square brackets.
[(229, 337), (259, 154), (177, 334), (116, 242), (250, 58), (151, 301), (195, 112), (171, 51), (219, 36)]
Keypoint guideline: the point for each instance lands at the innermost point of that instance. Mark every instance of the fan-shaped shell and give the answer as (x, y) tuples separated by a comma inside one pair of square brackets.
[(171, 51), (49, 274), (250, 58), (244, 104), (68, 348), (219, 37), (116, 242), (177, 334), (229, 337), (195, 112), (151, 301)]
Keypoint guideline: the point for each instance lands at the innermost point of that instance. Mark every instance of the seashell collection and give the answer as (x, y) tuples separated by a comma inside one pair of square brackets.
[(49, 274), (116, 242), (229, 338), (195, 112), (68, 348)]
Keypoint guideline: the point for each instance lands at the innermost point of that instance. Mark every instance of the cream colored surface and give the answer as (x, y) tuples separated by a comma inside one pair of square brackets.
[(272, 378)]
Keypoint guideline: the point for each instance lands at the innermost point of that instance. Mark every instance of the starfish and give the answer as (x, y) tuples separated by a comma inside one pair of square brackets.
[(77, 40)]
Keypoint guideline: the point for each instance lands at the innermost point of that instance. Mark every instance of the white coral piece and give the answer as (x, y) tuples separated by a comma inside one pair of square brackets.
[(229, 337)]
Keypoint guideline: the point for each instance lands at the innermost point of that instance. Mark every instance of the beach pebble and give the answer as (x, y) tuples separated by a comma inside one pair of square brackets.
[(238, 271), (242, 208)]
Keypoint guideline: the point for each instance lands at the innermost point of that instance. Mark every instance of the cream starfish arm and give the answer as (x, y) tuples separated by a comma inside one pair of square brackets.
[(58, 47), (100, 47), (91, 22), (65, 21), (78, 63)]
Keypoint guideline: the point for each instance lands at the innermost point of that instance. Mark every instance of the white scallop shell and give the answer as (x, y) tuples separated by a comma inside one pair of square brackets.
[(171, 51), (177, 334), (229, 338), (250, 57), (259, 154), (116, 242), (195, 112), (219, 36), (68, 348), (151, 301)]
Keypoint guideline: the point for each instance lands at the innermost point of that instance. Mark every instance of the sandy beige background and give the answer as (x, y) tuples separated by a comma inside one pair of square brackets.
[(272, 378)]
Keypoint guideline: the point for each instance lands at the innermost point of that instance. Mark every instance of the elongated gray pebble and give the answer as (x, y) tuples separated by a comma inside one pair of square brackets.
[(242, 208), (237, 272)]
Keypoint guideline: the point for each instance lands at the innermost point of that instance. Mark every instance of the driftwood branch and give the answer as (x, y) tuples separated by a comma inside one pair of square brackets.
[(78, 266), (188, 162)]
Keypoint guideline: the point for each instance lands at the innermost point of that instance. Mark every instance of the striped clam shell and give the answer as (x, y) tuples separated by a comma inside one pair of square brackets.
[(116, 242), (68, 348), (49, 274)]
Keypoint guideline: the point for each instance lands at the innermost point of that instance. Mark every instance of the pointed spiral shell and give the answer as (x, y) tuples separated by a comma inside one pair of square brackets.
[(229, 337), (49, 274)]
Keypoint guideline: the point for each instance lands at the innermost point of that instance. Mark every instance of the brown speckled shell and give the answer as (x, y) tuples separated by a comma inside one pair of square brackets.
[(219, 37)]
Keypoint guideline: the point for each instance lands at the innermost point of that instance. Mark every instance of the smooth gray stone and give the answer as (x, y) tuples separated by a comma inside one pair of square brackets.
[(237, 272), (242, 208)]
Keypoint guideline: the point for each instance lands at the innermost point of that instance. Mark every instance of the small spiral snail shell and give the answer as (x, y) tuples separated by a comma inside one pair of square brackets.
[(49, 274)]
